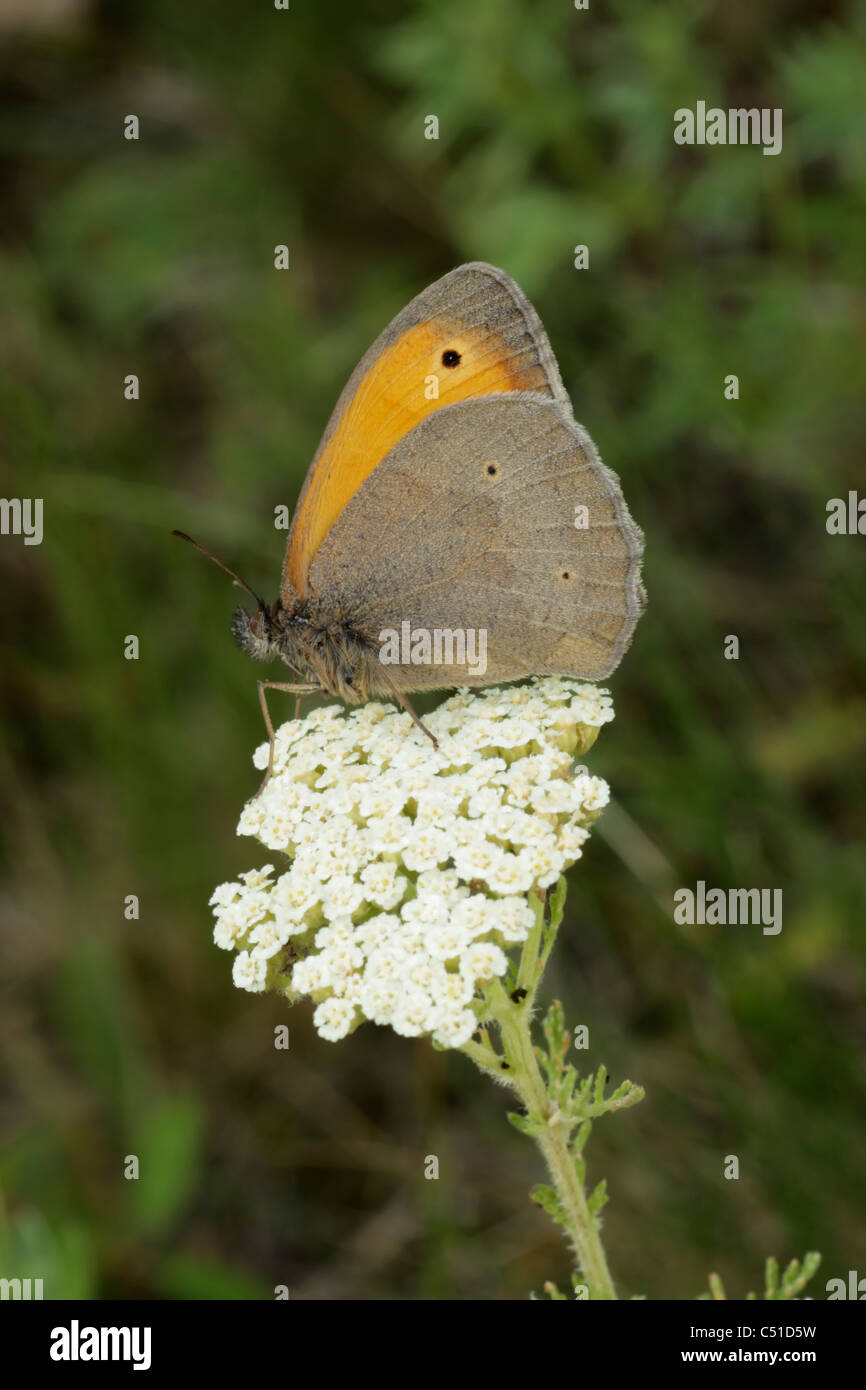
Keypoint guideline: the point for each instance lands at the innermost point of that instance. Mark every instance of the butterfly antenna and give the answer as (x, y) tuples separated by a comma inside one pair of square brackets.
[(240, 582)]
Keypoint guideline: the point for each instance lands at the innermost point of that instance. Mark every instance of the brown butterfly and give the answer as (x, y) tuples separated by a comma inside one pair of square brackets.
[(453, 491)]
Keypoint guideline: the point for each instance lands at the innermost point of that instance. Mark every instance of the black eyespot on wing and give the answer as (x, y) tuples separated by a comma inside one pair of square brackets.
[(492, 469), (451, 358), (566, 574)]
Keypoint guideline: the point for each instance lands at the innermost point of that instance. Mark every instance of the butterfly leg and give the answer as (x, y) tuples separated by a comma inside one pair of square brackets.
[(406, 704), (291, 689)]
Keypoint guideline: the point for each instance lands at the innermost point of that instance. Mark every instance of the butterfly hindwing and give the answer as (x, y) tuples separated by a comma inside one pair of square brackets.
[(493, 514)]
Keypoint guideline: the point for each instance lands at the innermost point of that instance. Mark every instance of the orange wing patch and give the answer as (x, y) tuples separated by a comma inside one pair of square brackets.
[(391, 399)]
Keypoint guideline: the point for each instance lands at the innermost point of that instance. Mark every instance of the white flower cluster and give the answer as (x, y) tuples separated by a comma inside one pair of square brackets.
[(411, 864)]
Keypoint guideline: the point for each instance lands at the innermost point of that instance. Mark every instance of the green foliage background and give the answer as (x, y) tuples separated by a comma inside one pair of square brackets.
[(257, 127)]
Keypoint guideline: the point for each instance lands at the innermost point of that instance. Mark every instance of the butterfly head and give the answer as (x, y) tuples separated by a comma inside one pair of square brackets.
[(261, 634), (274, 632), (258, 633)]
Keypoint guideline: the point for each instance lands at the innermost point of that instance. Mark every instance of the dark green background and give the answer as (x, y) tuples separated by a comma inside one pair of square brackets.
[(259, 127)]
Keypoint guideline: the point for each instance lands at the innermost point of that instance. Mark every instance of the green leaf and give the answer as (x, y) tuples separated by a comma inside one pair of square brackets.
[(168, 1147), (188, 1276), (598, 1198), (546, 1198), (566, 1091), (553, 1293), (554, 1027), (525, 1124), (579, 1141), (556, 900), (797, 1276), (793, 1281), (600, 1083), (59, 1252)]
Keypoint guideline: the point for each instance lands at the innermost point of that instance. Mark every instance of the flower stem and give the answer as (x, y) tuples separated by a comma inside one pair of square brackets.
[(558, 1108), (553, 1139)]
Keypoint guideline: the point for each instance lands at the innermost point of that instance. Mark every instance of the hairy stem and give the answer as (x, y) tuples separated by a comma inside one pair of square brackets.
[(517, 1064), (525, 1077)]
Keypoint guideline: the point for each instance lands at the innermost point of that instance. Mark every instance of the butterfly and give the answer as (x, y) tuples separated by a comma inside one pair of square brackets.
[(453, 492)]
